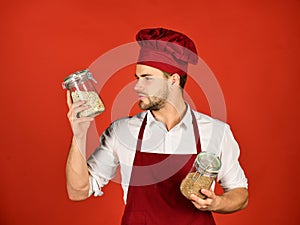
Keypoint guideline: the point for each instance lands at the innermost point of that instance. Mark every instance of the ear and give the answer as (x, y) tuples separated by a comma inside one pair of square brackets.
[(175, 78)]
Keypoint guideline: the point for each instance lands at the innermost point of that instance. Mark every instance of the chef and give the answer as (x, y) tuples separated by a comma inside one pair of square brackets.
[(156, 148)]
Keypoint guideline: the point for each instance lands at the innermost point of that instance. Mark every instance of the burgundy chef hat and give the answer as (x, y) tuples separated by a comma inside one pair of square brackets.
[(167, 50)]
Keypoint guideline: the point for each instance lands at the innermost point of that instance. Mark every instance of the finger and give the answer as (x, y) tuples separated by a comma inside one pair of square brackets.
[(77, 107), (196, 198), (204, 208), (208, 193), (84, 119), (78, 104), (200, 206), (69, 101), (77, 123), (75, 110)]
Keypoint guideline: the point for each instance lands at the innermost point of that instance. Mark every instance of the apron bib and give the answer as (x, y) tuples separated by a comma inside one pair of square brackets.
[(160, 202)]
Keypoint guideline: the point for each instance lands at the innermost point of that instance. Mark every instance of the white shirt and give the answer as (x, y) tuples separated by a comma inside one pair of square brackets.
[(118, 146)]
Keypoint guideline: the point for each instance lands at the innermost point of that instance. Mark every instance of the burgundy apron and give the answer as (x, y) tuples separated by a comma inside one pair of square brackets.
[(160, 202)]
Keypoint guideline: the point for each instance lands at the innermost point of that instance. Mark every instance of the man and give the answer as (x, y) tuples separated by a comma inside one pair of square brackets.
[(155, 149)]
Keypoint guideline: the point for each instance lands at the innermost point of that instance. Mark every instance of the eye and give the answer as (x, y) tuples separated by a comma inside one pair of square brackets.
[(148, 78)]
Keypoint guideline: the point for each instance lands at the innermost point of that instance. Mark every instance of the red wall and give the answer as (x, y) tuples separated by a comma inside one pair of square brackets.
[(252, 47)]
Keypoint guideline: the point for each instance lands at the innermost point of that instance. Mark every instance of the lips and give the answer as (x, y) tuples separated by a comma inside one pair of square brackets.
[(141, 96)]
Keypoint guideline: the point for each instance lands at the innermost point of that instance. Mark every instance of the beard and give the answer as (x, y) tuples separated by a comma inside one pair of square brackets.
[(157, 101), (154, 104)]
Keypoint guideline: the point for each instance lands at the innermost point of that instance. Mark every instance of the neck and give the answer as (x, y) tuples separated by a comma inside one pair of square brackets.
[(171, 114)]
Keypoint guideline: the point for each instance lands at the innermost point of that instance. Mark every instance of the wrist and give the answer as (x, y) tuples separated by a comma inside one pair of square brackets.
[(79, 142), (218, 204)]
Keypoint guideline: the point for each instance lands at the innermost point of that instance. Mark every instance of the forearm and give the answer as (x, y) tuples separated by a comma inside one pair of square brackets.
[(77, 175), (232, 201)]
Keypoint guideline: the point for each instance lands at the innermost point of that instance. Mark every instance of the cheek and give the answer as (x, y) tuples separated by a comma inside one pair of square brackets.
[(157, 87), (152, 90)]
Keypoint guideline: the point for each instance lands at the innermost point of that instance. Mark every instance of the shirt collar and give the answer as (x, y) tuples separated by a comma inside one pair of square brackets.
[(185, 122)]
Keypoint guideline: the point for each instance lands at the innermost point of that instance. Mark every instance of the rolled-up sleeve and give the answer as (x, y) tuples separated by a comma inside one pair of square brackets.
[(103, 163), (231, 174)]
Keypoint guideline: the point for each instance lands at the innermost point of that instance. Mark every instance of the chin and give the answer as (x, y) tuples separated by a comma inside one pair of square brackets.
[(152, 105), (142, 105)]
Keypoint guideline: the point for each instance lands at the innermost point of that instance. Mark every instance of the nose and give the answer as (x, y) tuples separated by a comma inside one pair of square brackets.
[(139, 86)]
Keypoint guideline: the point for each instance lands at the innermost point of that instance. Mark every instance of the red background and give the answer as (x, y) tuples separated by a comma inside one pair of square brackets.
[(252, 47)]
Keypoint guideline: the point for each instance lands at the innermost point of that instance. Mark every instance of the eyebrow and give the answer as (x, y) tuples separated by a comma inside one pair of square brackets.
[(143, 75)]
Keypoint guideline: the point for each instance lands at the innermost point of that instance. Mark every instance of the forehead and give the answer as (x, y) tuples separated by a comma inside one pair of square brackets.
[(143, 69)]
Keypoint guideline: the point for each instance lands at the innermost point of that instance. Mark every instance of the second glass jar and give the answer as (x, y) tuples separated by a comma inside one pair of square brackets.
[(201, 176)]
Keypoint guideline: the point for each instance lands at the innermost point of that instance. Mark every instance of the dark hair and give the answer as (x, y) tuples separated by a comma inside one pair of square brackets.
[(182, 78)]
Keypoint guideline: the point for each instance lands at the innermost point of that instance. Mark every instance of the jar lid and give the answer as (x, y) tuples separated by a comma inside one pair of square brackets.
[(209, 162), (77, 76)]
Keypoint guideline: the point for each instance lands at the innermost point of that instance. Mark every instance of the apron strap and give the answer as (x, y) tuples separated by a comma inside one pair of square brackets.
[(141, 134), (196, 132)]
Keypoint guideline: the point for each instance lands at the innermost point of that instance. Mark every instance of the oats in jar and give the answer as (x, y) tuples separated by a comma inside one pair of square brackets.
[(92, 100), (193, 183)]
